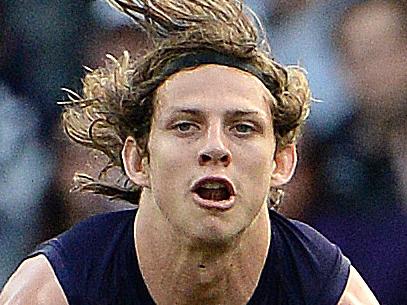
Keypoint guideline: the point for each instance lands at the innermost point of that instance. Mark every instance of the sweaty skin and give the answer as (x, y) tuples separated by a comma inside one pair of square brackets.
[(189, 254)]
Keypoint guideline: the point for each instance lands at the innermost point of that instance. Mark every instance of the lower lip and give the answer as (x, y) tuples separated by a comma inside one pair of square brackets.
[(222, 205)]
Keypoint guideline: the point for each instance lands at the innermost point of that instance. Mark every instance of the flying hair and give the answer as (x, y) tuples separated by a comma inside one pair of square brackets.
[(117, 100)]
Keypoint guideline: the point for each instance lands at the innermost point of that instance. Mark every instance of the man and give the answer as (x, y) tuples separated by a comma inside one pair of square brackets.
[(204, 128)]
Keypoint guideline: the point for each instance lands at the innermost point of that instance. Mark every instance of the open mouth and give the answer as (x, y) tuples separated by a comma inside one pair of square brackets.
[(214, 192)]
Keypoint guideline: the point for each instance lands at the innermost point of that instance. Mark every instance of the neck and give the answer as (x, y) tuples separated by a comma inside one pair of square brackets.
[(178, 272)]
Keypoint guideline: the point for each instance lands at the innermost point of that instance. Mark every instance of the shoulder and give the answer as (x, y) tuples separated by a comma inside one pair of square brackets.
[(90, 235), (323, 265), (356, 291), (60, 265), (34, 282), (302, 237), (308, 260), (104, 222)]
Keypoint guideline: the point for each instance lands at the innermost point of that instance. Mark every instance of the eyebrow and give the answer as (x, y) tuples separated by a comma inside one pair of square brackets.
[(229, 113), (192, 111), (241, 112)]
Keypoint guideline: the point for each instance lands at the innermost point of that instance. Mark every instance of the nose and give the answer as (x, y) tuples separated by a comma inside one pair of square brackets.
[(214, 151), (215, 155)]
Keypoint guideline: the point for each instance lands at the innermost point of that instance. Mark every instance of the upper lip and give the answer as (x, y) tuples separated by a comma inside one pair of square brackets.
[(223, 180)]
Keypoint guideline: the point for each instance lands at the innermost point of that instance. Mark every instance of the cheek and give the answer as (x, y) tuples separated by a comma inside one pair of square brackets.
[(254, 169), (168, 161), (256, 159)]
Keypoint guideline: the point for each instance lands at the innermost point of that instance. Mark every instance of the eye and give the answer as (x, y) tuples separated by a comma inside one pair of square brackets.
[(243, 128), (185, 127)]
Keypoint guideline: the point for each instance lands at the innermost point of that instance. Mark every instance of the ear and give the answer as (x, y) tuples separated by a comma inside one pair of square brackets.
[(285, 161), (133, 163)]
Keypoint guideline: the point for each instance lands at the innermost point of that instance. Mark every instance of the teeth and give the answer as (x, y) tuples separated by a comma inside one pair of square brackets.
[(213, 185)]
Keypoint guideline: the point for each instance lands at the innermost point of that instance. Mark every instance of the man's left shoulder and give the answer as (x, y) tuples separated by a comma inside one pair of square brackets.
[(307, 259), (303, 237)]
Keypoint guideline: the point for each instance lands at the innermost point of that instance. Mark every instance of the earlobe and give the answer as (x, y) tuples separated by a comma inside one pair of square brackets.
[(285, 162), (133, 163)]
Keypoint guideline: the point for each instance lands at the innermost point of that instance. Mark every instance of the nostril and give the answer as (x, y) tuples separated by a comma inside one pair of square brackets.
[(215, 156), (224, 159), (205, 158)]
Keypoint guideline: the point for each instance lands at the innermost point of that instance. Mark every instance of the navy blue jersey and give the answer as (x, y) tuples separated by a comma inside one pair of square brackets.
[(95, 263)]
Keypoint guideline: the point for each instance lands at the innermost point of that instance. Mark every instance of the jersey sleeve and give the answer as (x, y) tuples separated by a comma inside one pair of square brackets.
[(333, 266), (63, 268), (312, 268), (87, 257)]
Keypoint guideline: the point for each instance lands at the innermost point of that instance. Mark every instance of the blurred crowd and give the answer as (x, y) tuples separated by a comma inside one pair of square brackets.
[(351, 182)]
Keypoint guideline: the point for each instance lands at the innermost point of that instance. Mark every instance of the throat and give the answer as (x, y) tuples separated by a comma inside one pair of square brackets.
[(176, 273), (210, 284)]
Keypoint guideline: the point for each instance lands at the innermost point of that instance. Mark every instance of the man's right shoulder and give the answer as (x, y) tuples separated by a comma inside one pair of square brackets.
[(34, 282)]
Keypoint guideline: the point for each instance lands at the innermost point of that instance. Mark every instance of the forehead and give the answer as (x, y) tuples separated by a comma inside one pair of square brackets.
[(213, 88)]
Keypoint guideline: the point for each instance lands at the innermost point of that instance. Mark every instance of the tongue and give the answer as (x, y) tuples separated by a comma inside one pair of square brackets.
[(214, 195)]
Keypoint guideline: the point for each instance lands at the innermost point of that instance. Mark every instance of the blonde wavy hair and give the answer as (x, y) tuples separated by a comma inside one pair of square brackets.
[(118, 99)]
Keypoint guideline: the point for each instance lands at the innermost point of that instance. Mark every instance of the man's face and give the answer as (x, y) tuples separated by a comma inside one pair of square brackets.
[(211, 151)]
